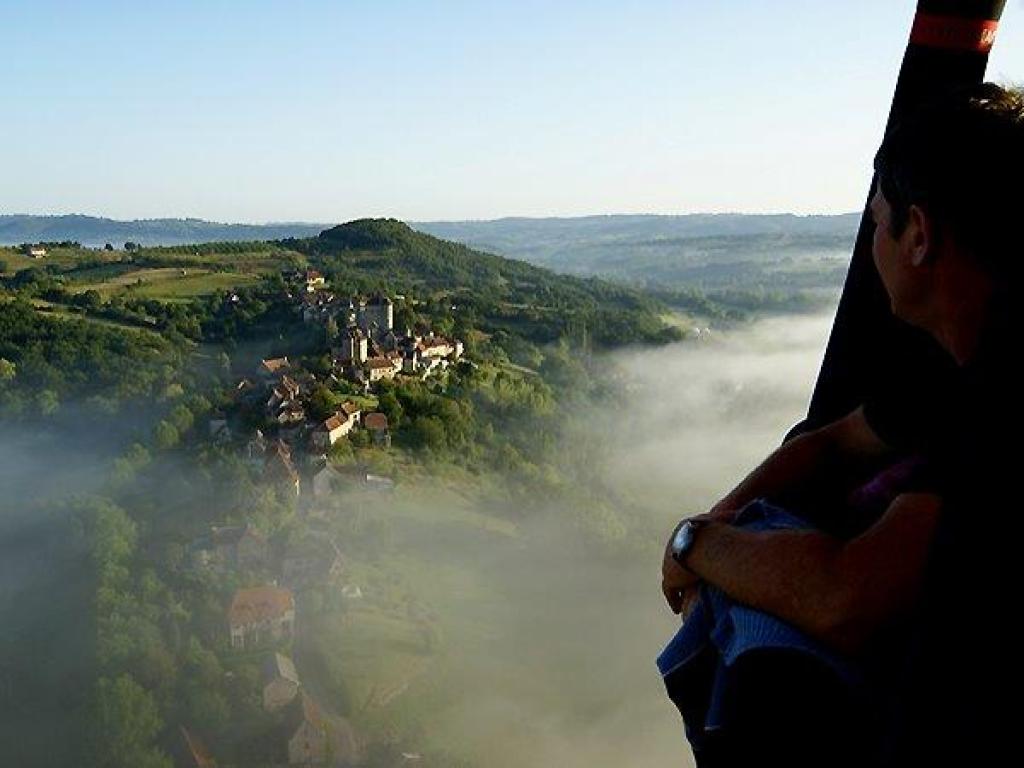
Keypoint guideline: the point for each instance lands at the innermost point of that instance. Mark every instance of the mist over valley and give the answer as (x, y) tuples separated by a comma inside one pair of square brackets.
[(480, 588)]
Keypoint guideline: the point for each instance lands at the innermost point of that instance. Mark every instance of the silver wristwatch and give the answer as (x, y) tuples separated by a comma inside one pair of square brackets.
[(683, 541)]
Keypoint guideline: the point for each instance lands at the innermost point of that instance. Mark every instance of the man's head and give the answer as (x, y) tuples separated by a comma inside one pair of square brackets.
[(960, 159), (946, 206)]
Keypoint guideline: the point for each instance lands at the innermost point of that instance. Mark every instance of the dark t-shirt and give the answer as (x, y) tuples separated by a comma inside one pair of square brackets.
[(965, 421)]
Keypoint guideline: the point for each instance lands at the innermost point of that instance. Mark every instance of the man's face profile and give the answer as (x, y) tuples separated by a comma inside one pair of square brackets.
[(899, 259), (884, 247)]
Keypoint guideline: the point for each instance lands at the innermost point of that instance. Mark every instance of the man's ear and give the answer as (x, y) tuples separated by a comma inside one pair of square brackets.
[(920, 233)]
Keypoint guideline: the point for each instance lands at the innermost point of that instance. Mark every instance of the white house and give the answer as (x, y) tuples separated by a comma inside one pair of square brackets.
[(339, 425)]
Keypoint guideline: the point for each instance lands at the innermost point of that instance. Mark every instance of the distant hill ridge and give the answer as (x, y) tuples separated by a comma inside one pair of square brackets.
[(94, 231), (631, 226), (500, 234)]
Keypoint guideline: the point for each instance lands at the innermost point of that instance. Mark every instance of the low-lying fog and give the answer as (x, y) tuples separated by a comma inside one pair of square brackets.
[(557, 667), (548, 650)]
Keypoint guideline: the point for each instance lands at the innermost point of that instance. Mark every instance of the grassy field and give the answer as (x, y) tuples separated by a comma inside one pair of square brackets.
[(167, 283), (12, 260), (116, 273)]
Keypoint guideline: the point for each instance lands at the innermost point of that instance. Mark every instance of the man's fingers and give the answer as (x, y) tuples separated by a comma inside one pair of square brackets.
[(688, 601), (673, 597)]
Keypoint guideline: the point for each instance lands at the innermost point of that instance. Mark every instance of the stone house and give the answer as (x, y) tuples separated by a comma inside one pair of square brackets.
[(337, 426), (278, 467), (280, 682), (291, 412), (306, 732), (315, 737), (325, 481), (260, 615), (378, 368), (273, 367), (377, 424)]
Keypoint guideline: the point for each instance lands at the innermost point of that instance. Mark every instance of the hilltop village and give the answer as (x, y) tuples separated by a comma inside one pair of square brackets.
[(290, 401)]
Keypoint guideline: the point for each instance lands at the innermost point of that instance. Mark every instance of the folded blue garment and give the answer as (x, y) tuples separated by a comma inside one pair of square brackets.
[(720, 631)]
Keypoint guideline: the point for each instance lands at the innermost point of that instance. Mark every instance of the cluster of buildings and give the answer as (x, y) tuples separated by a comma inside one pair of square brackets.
[(366, 350), (367, 347), (262, 620), (282, 391)]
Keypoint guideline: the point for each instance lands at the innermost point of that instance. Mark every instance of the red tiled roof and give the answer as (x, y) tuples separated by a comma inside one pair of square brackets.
[(255, 604), (375, 421), (275, 364), (349, 408)]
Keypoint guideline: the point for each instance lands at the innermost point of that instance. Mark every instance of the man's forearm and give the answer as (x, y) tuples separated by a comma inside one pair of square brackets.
[(836, 591), (788, 574)]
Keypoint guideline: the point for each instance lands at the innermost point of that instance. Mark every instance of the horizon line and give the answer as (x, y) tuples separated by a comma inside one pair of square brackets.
[(512, 217)]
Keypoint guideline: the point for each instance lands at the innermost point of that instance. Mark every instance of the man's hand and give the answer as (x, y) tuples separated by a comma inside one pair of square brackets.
[(676, 580), (675, 583)]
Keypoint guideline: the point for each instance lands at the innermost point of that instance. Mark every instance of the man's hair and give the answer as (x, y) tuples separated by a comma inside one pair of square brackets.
[(960, 158)]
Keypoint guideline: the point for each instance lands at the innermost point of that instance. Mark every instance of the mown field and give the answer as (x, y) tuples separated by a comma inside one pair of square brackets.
[(167, 283), (115, 273)]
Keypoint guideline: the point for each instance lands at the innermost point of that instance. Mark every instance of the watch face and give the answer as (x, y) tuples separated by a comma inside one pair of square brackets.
[(682, 539)]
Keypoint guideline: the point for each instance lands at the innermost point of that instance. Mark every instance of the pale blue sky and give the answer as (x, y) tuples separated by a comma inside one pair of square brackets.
[(322, 110)]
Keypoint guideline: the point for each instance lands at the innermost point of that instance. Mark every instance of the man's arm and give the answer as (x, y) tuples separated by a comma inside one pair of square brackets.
[(839, 592), (846, 447)]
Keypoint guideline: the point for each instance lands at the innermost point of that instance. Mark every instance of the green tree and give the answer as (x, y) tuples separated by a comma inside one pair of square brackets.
[(322, 403), (48, 402), (181, 419), (90, 300), (389, 405), (166, 436), (127, 465), (127, 723), (341, 453), (429, 432)]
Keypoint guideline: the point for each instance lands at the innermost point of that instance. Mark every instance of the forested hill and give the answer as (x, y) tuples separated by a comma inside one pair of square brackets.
[(514, 233), (386, 254), (95, 231), (711, 251)]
